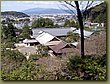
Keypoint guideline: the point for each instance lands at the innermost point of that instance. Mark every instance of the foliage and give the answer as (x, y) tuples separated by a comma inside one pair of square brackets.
[(86, 68), (97, 13), (16, 67), (9, 45), (35, 57), (71, 37), (12, 54), (70, 23), (42, 50), (87, 28), (8, 31), (8, 34), (26, 32), (28, 71), (43, 22)]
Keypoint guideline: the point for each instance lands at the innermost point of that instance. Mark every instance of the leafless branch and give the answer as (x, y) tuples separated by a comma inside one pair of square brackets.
[(89, 4), (69, 3)]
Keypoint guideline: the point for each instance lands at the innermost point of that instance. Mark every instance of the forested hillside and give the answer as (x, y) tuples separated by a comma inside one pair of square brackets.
[(97, 13)]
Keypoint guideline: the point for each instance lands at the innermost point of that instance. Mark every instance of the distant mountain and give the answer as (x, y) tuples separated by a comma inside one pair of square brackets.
[(46, 11), (14, 13)]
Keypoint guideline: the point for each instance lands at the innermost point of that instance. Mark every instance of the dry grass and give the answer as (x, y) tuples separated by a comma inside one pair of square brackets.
[(96, 44)]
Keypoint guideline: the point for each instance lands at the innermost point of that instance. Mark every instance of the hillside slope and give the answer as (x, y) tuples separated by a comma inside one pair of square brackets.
[(95, 44), (14, 14)]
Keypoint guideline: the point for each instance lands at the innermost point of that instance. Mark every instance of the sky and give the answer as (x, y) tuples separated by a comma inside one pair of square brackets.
[(23, 5)]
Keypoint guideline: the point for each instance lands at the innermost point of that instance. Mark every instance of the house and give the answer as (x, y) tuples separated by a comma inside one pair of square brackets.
[(45, 38), (30, 42), (54, 44), (61, 48), (27, 43)]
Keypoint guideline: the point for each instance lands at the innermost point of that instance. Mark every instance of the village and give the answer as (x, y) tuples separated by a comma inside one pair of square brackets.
[(46, 43), (50, 37)]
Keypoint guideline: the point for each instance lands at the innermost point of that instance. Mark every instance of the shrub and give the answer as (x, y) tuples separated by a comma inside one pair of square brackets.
[(87, 68)]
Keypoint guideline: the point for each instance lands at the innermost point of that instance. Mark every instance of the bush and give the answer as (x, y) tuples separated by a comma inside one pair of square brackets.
[(87, 68), (28, 71)]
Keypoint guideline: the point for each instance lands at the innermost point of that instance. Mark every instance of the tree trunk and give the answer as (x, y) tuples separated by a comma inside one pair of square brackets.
[(80, 19)]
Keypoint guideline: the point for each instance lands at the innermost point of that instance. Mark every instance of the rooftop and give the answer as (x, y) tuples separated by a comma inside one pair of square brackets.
[(53, 31), (86, 33), (29, 41), (44, 37)]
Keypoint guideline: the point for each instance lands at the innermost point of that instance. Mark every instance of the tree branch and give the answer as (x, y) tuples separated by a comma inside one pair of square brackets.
[(70, 4), (89, 4)]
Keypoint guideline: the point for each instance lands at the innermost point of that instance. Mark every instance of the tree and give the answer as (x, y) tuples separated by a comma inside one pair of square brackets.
[(70, 23), (8, 32), (80, 19), (76, 5), (26, 32), (43, 22)]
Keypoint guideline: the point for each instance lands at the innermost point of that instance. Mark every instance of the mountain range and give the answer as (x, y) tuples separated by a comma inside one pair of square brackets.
[(46, 11)]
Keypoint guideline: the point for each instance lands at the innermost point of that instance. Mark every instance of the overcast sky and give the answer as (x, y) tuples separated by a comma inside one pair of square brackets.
[(23, 5)]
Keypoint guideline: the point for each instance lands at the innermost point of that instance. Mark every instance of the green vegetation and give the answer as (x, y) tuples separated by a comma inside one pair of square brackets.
[(97, 13), (8, 31), (87, 68), (42, 50), (16, 67), (71, 23), (43, 22), (71, 37), (26, 32), (28, 71), (87, 28), (8, 35)]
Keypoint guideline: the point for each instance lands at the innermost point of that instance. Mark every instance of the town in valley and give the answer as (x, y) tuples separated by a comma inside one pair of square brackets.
[(45, 43)]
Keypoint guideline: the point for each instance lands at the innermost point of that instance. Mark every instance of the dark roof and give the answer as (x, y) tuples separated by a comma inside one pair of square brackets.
[(62, 47)]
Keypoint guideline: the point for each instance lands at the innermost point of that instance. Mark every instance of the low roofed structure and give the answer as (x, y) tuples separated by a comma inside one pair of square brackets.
[(44, 37), (86, 33), (53, 31), (30, 41), (62, 48)]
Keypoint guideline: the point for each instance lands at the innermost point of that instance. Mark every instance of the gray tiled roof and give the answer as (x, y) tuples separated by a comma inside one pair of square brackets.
[(52, 31)]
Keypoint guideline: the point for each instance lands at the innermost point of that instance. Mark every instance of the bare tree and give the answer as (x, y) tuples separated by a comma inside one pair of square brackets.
[(76, 5), (79, 16)]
